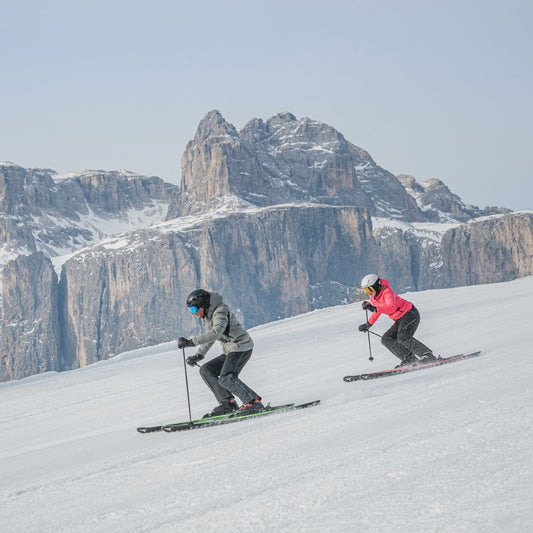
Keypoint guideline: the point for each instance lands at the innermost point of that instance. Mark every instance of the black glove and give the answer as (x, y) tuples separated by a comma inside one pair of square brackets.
[(369, 306), (364, 327), (193, 359), (184, 343)]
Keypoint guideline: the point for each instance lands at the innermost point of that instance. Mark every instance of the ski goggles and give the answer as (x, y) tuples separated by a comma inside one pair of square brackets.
[(368, 290), (193, 309)]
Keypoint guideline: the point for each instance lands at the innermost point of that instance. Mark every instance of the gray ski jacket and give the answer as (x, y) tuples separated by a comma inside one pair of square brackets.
[(221, 325)]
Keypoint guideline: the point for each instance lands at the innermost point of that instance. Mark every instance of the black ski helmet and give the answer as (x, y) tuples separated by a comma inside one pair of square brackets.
[(198, 298)]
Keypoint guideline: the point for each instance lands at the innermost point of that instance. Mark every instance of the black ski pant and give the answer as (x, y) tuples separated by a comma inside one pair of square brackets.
[(399, 337), (221, 376)]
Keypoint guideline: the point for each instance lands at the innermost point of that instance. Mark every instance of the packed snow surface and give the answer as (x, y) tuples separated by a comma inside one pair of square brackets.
[(447, 449)]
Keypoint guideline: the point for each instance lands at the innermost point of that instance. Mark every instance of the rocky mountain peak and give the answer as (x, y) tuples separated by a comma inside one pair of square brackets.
[(213, 125), (412, 186), (439, 203), (280, 120)]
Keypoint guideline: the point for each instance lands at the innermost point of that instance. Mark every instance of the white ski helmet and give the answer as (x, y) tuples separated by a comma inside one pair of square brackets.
[(370, 281)]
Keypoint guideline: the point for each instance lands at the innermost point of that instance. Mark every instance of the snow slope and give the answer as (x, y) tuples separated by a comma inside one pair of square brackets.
[(442, 450)]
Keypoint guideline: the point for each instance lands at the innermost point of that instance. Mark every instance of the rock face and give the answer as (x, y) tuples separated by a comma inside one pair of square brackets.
[(282, 217), (410, 260), (38, 191), (130, 292), (122, 295), (488, 251), (41, 211), (29, 342), (44, 215)]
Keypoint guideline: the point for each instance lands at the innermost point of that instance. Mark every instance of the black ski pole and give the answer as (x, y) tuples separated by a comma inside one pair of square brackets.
[(368, 336), (187, 386)]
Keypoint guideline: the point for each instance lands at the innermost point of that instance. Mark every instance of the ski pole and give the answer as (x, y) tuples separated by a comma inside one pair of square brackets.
[(368, 336), (187, 386)]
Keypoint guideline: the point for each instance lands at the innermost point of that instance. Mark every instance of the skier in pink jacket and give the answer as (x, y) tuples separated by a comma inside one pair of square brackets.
[(399, 337)]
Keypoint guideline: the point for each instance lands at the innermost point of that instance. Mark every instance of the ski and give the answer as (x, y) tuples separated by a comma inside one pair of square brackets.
[(235, 417), (410, 368), (153, 429)]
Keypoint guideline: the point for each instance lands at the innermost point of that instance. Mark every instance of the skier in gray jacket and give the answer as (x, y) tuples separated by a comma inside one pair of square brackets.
[(221, 373)]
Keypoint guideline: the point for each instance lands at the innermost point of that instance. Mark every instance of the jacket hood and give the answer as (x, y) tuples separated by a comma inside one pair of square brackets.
[(384, 285), (214, 301)]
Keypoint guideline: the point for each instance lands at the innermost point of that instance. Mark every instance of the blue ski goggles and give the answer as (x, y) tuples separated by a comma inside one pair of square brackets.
[(193, 309)]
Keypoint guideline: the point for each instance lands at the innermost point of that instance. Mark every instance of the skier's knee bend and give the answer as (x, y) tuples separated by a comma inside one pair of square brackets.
[(385, 340), (204, 370), (226, 379), (404, 339)]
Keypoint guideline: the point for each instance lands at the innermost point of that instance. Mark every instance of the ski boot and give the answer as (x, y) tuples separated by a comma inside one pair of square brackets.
[(426, 358), (410, 360), (225, 407), (255, 406)]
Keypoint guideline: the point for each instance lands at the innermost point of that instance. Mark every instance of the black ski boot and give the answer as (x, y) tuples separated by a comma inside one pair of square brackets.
[(408, 361), (225, 407), (255, 406), (426, 358)]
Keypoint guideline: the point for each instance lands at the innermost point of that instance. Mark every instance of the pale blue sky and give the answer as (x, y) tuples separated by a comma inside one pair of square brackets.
[(436, 89)]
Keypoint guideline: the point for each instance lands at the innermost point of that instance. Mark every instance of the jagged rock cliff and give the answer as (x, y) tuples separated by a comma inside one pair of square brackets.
[(123, 294), (407, 257), (29, 342), (41, 211), (488, 251)]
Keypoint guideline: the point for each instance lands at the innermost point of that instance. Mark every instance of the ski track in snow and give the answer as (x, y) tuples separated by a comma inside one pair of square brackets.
[(441, 450)]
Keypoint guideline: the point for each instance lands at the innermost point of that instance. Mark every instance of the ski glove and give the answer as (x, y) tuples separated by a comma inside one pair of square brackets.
[(193, 359), (369, 306), (184, 343), (364, 327)]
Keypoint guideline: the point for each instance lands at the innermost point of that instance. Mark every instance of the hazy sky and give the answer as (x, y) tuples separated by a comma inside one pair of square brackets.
[(436, 89)]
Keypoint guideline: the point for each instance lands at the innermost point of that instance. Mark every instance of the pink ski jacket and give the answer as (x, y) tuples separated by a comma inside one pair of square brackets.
[(388, 302)]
